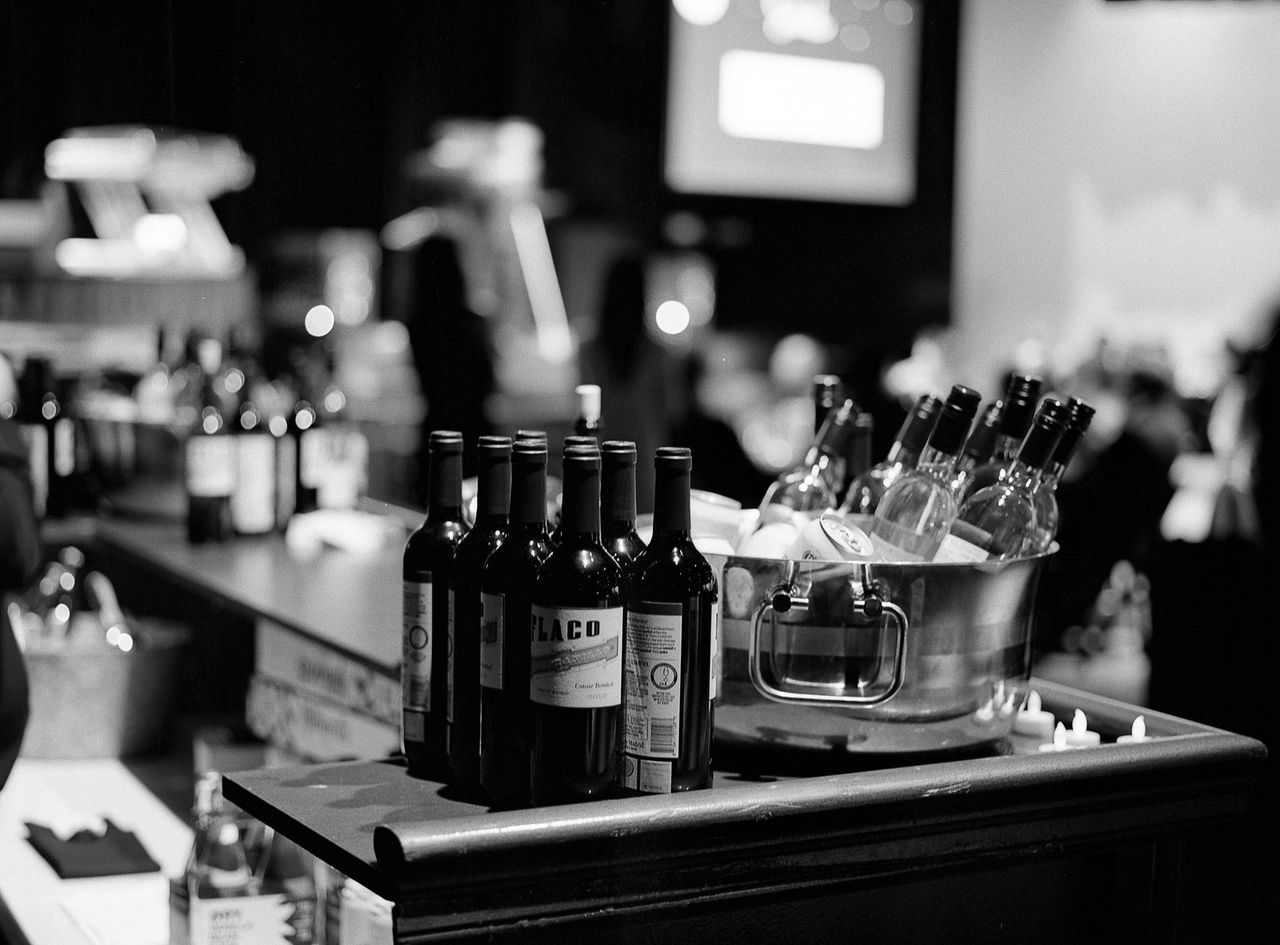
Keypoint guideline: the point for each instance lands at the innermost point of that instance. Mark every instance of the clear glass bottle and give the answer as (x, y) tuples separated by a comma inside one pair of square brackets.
[(493, 499), (815, 485), (671, 645), (869, 486), (999, 521), (979, 447), (1015, 420), (427, 567), (1045, 494), (916, 511)]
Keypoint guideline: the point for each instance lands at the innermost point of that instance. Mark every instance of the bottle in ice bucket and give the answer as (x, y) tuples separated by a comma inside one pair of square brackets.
[(1017, 410), (806, 491), (979, 447), (999, 520), (868, 488), (1045, 496), (917, 509)]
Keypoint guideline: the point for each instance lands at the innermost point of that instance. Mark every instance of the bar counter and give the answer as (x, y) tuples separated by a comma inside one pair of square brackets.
[(1149, 842)]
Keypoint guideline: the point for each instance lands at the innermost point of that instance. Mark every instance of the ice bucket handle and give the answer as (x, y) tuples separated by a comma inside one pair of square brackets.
[(869, 604)]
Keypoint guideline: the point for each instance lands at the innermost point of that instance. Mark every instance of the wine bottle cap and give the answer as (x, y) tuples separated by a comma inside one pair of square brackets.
[(588, 402), (919, 423), (529, 451), (531, 435), (673, 457), (493, 447), (1019, 405), (618, 452), (954, 419), (445, 441), (1077, 425), (578, 440), (1045, 432), (581, 458), (982, 438)]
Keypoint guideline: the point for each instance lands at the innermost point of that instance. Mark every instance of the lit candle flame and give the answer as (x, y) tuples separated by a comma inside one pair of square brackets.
[(1139, 728), (1079, 723), (1033, 701), (1060, 736)]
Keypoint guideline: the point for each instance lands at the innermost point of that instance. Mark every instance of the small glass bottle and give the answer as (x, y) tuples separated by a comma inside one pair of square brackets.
[(868, 487), (916, 511), (999, 521)]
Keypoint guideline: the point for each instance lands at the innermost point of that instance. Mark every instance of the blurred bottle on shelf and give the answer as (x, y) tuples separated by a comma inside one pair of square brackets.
[(868, 488), (590, 419), (828, 392), (916, 511), (210, 450)]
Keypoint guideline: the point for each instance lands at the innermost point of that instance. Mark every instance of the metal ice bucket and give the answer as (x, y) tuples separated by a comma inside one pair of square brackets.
[(875, 658)]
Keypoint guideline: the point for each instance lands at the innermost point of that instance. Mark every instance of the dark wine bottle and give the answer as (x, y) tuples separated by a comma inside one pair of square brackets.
[(493, 496), (575, 673), (428, 563), (671, 638), (210, 452), (506, 592), (618, 501), (570, 441)]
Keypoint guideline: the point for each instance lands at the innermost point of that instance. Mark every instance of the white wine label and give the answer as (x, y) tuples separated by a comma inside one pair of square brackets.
[(717, 654), (253, 501), (415, 674), (652, 718), (64, 447), (448, 701), (576, 657), (313, 456), (241, 920), (654, 776), (956, 549), (211, 466), (492, 634)]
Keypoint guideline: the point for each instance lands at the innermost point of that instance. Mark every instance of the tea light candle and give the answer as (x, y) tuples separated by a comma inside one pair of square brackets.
[(1080, 736), (1139, 732), (1059, 742), (1033, 720)]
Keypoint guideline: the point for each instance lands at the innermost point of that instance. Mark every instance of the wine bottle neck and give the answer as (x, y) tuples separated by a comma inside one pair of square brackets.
[(671, 515), (618, 498), (528, 496), (445, 497), (493, 492), (580, 509)]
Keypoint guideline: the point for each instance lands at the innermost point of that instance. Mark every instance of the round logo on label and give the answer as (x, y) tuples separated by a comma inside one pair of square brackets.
[(418, 637), (631, 769), (664, 675)]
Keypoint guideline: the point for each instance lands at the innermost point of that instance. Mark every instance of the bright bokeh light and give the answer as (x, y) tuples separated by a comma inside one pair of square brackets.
[(701, 12), (160, 233), (319, 321), (672, 317)]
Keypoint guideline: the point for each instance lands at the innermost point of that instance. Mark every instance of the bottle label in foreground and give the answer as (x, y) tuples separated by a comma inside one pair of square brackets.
[(653, 683), (576, 657), (492, 636), (415, 673)]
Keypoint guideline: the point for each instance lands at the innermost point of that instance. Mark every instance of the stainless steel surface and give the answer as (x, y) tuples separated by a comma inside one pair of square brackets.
[(873, 657)]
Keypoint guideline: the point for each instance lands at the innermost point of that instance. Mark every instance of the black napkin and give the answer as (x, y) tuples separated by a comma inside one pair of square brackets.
[(111, 853)]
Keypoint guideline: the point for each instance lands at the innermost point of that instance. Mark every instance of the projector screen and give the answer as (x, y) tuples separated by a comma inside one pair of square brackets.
[(803, 99)]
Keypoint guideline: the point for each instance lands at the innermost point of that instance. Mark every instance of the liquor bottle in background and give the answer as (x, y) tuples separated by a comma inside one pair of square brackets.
[(428, 565), (34, 384), (978, 448), (999, 521), (916, 511), (210, 451), (670, 647), (1016, 414), (344, 475), (828, 392), (279, 423), (815, 485), (217, 867), (506, 593), (1045, 495), (309, 449), (618, 501), (576, 652), (589, 421), (868, 488), (288, 875), (253, 500), (153, 392), (493, 498)]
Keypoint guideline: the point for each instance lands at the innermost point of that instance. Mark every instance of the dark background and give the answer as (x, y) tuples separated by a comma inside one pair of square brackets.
[(329, 100)]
